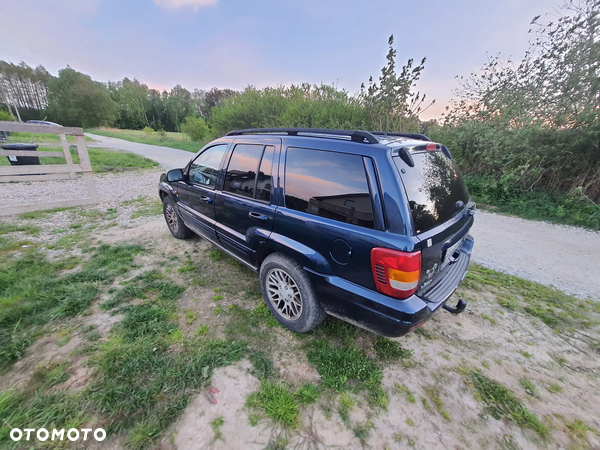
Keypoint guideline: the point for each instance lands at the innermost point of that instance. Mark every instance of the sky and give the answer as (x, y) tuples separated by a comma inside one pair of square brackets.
[(235, 43)]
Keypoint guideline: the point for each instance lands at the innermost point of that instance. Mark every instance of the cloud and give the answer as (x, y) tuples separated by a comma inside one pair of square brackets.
[(177, 4)]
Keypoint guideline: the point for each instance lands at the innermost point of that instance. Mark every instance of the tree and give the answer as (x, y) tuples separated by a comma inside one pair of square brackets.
[(74, 99), (132, 98), (392, 104), (536, 123), (212, 98), (557, 83), (317, 106), (24, 87)]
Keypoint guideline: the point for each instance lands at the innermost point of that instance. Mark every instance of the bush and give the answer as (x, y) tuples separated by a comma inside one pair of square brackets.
[(195, 128), (148, 131), (5, 116), (312, 106)]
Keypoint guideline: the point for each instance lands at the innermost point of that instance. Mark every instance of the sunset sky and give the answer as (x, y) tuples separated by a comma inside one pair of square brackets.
[(234, 43)]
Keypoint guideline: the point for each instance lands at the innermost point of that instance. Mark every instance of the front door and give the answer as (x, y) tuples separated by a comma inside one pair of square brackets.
[(243, 208), (196, 193)]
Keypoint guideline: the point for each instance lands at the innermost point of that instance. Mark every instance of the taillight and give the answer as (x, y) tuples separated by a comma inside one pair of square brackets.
[(396, 273)]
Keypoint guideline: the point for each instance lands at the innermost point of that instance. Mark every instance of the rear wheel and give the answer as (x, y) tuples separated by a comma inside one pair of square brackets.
[(289, 294), (174, 221)]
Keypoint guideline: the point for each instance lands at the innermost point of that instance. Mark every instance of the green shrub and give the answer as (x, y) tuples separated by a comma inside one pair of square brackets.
[(195, 128), (5, 116)]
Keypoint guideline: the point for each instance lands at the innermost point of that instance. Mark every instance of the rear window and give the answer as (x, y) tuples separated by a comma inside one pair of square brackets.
[(433, 186)]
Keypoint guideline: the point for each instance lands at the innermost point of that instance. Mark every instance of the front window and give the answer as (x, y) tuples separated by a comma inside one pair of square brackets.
[(204, 169)]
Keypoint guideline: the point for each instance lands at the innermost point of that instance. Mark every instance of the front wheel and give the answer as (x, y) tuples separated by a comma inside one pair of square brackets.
[(289, 294), (174, 221)]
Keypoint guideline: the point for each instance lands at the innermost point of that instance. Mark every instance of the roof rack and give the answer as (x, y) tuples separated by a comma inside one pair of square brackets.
[(355, 135), (419, 136)]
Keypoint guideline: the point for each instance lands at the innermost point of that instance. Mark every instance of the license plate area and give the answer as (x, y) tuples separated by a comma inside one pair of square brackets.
[(449, 255)]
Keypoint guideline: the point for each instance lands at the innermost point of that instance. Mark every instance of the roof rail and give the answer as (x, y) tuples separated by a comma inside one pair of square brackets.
[(355, 135), (419, 136)]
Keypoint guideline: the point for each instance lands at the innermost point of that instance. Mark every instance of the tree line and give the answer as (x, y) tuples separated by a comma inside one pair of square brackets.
[(515, 126)]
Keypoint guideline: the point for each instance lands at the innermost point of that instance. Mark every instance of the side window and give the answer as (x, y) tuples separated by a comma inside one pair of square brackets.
[(263, 181), (241, 173), (205, 167), (328, 184)]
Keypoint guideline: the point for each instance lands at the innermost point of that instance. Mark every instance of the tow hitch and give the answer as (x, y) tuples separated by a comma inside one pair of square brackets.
[(460, 307)]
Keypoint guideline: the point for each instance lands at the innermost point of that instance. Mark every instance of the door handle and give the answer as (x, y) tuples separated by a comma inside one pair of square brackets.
[(206, 199), (259, 216)]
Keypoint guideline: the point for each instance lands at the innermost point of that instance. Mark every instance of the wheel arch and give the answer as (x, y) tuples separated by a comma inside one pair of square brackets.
[(305, 256)]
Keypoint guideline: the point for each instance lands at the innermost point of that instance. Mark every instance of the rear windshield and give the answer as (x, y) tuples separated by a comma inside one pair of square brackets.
[(433, 187)]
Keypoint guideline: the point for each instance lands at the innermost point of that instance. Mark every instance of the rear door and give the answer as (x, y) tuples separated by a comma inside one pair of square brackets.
[(441, 210), (245, 207), (196, 193)]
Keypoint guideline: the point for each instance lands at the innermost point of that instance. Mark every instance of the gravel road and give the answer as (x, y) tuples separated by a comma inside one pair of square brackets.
[(170, 158), (562, 256), (565, 257)]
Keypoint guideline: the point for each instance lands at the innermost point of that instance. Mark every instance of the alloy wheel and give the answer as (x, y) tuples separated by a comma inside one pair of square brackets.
[(172, 219), (284, 294)]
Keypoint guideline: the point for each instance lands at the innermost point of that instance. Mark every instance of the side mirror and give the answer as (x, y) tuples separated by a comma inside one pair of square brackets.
[(175, 175)]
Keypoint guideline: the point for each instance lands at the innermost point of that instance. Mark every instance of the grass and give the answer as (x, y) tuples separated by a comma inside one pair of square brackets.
[(277, 403), (556, 309), (147, 367), (434, 395), (341, 367), (50, 374), (31, 230), (216, 425), (41, 138), (502, 404), (307, 394), (102, 160), (169, 139), (407, 393), (388, 350), (579, 429), (33, 294), (147, 207), (529, 387), (554, 388), (489, 319), (262, 365)]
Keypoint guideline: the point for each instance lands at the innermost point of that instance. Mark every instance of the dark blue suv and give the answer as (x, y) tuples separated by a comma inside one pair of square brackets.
[(369, 227)]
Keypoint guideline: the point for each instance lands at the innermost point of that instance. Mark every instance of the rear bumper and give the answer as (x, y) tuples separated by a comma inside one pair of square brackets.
[(385, 315)]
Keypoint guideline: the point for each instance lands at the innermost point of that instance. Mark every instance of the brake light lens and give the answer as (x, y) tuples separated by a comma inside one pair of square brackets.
[(396, 273), (431, 147)]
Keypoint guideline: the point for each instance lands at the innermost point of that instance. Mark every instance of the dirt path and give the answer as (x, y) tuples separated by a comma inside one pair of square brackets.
[(565, 257)]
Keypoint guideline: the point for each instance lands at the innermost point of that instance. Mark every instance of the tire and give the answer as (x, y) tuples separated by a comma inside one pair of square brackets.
[(299, 310), (174, 220)]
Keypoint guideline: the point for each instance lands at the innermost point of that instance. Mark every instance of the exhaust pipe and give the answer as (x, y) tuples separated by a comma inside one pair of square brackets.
[(460, 307)]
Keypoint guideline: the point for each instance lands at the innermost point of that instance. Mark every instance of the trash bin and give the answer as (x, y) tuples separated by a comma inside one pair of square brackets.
[(22, 160)]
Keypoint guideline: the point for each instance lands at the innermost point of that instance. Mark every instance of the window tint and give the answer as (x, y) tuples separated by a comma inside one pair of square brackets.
[(263, 181), (433, 186), (205, 167), (328, 184), (241, 173)]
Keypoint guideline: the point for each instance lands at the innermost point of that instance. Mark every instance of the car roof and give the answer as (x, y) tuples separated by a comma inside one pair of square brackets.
[(348, 141)]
